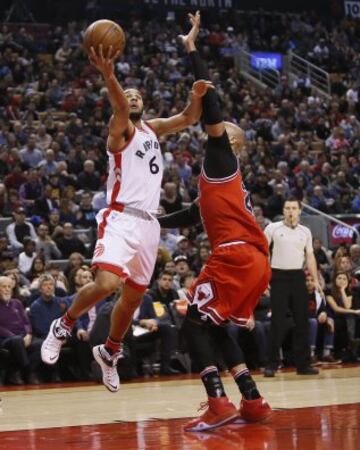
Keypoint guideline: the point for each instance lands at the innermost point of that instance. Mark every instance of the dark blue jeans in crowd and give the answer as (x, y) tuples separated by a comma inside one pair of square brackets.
[(22, 357), (313, 331)]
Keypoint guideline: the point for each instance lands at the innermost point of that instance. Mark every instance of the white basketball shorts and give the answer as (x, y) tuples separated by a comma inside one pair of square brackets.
[(127, 246)]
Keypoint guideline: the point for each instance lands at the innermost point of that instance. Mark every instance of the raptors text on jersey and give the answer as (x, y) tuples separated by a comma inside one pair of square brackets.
[(135, 173)]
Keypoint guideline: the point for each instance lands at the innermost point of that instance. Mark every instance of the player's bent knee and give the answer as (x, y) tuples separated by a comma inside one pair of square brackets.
[(107, 284)]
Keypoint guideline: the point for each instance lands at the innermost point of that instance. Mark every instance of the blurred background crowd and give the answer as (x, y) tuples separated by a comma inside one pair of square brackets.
[(53, 127)]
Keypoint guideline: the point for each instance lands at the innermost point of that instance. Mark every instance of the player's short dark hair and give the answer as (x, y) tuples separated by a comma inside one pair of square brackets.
[(293, 199), (166, 272)]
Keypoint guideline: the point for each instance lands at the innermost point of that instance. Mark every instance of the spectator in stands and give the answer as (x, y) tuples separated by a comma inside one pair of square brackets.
[(76, 260), (27, 256), (45, 203), (88, 179), (21, 285), (45, 246), (69, 242), (171, 200), (30, 154), (201, 257), (16, 336), (81, 336), (183, 248), (355, 257), (163, 292), (155, 321), (322, 258), (31, 189), (181, 268), (168, 240), (46, 307), (15, 178), (340, 308), (43, 139), (85, 217), (19, 229), (37, 269), (55, 226), (276, 201), (318, 318), (259, 216), (48, 165)]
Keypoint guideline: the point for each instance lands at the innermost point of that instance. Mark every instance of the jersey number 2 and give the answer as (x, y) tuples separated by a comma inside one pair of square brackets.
[(154, 168)]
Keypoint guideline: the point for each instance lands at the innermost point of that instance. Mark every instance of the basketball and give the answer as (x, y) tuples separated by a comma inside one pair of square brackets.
[(107, 33)]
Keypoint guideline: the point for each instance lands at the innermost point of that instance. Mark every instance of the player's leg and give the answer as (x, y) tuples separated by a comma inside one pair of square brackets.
[(253, 407), (140, 268), (105, 283), (107, 354), (219, 409)]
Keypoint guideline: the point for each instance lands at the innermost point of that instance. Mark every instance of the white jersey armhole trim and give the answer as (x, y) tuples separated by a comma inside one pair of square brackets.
[(125, 146)]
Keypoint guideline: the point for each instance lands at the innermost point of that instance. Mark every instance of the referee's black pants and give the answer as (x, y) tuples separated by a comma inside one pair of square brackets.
[(288, 291)]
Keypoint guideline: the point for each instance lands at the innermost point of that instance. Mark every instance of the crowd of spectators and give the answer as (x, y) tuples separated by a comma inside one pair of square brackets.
[(53, 127)]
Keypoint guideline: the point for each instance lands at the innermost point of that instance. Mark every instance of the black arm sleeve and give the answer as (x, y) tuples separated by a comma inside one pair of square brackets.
[(220, 161), (179, 219), (211, 107)]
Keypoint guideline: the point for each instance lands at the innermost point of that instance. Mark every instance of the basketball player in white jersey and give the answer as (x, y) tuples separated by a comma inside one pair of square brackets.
[(128, 232)]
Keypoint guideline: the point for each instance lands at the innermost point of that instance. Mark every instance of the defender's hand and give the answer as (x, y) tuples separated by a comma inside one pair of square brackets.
[(200, 87), (189, 40)]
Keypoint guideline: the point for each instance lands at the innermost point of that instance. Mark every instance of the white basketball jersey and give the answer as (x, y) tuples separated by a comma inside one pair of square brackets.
[(135, 173)]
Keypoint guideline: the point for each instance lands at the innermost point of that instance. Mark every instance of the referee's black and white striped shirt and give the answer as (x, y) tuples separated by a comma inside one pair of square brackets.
[(290, 245)]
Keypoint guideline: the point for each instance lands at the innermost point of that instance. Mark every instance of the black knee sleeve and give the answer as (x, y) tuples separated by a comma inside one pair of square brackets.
[(230, 350), (199, 342)]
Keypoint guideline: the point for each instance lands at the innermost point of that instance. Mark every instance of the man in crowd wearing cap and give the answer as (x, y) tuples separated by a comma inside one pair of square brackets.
[(181, 268), (183, 248), (19, 229)]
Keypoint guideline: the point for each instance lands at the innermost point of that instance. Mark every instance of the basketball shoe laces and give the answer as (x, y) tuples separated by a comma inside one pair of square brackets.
[(111, 362), (203, 406), (60, 333)]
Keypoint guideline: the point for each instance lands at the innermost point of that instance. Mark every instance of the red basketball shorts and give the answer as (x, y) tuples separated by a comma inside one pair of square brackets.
[(231, 283)]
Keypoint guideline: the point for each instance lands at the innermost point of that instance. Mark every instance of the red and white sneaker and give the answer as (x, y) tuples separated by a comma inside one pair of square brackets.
[(255, 410), (220, 411)]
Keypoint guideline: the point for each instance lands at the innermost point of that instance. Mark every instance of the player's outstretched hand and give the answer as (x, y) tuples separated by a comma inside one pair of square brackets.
[(104, 63), (200, 87), (189, 40)]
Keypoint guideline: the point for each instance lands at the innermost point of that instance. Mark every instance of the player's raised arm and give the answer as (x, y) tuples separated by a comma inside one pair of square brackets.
[(212, 113), (120, 127), (190, 115)]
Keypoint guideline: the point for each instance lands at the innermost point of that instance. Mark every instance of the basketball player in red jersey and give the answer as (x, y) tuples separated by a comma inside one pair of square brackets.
[(237, 271), (128, 232)]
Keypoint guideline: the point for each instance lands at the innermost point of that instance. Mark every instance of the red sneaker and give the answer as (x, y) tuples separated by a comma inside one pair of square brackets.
[(219, 412), (255, 410)]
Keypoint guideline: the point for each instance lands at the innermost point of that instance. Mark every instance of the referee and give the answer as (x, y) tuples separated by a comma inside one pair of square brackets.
[(291, 246)]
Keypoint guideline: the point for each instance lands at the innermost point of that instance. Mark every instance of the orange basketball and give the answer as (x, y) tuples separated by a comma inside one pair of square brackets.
[(107, 33)]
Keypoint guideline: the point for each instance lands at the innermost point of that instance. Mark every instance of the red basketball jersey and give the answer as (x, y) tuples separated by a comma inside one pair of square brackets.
[(226, 212)]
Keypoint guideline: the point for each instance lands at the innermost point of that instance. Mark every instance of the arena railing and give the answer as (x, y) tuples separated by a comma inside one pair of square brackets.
[(298, 67), (262, 78), (329, 218)]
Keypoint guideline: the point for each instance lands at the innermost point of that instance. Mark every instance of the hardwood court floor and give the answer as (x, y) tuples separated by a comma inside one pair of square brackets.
[(319, 413)]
